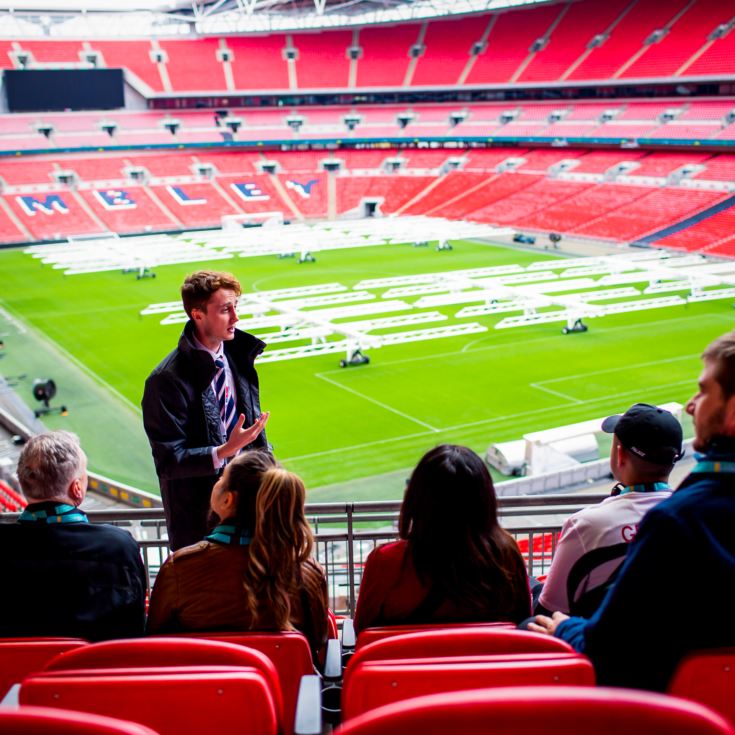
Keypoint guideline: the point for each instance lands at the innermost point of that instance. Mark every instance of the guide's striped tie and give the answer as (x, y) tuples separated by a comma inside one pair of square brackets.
[(226, 403)]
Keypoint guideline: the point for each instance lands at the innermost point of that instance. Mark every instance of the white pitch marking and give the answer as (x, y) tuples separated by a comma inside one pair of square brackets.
[(378, 403), (627, 366), (472, 424), (556, 393)]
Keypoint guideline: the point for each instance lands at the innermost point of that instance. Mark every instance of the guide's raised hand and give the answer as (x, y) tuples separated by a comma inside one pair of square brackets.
[(240, 437)]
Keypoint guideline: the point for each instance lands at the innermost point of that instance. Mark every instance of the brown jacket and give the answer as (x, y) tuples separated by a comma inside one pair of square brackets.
[(201, 588)]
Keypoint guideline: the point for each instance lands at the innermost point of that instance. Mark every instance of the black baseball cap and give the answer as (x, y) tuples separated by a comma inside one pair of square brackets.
[(650, 432)]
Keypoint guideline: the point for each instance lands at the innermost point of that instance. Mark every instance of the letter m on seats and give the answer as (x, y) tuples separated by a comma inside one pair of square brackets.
[(48, 205)]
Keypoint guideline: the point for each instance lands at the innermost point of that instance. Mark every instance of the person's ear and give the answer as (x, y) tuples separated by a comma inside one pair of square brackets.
[(622, 457), (229, 501), (77, 491)]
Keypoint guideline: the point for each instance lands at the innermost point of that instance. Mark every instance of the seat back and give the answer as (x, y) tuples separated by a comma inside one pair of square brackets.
[(170, 700), (374, 684), (370, 635), (708, 677), (289, 653), (464, 641), (49, 721), (20, 656), (171, 652), (549, 710)]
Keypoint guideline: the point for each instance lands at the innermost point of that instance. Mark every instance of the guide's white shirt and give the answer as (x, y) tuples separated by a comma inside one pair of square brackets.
[(229, 388), (615, 520)]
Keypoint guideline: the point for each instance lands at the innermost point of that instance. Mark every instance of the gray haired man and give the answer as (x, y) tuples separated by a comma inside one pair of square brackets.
[(62, 575)]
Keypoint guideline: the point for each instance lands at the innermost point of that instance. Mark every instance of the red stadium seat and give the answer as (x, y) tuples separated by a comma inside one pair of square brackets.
[(289, 653), (49, 721), (535, 710), (171, 700), (708, 677), (459, 640), (447, 659), (172, 652), (22, 656), (372, 684), (370, 635)]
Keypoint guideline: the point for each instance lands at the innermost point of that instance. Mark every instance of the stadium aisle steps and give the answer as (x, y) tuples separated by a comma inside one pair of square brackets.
[(193, 65), (262, 53), (649, 213), (716, 59), (133, 56), (385, 54), (308, 192), (689, 221), (626, 39), (448, 43), (509, 42), (683, 40), (570, 38)]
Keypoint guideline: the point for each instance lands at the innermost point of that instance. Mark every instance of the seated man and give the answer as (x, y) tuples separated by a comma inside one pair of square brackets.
[(670, 597), (593, 544), (61, 575)]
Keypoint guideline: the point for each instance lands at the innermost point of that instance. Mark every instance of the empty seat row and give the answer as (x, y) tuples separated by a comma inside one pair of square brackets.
[(182, 684)]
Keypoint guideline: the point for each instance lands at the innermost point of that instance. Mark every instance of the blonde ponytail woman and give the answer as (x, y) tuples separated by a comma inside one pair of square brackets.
[(254, 571)]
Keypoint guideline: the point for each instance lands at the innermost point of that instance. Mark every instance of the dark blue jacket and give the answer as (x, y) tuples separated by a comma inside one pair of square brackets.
[(672, 594), (182, 421), (72, 579)]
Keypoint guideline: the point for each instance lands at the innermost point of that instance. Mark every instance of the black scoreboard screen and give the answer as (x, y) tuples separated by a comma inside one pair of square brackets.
[(55, 90)]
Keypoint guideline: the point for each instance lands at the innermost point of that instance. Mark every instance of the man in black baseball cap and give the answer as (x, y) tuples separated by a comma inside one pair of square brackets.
[(594, 541), (648, 432)]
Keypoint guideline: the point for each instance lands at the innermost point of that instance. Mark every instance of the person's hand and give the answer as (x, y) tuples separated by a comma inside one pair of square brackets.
[(240, 437), (547, 625)]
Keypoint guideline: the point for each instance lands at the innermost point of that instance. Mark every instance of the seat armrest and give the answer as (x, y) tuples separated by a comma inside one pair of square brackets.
[(10, 700), (308, 720), (333, 662), (348, 635)]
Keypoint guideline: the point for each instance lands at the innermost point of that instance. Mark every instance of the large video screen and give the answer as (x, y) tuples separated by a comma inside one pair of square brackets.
[(49, 90)]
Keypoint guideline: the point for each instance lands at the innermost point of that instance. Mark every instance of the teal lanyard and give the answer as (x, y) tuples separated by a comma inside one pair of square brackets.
[(61, 513), (229, 535), (651, 487), (714, 466)]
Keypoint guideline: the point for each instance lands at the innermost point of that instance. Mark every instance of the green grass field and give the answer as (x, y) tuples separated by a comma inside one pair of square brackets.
[(353, 433)]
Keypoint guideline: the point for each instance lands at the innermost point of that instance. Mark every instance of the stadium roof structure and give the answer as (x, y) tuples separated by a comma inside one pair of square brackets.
[(127, 18)]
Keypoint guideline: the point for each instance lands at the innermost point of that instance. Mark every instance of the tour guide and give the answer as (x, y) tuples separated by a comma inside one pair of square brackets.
[(197, 402)]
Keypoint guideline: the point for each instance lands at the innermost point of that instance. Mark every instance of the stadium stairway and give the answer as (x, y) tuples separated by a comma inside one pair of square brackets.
[(285, 196), (688, 222)]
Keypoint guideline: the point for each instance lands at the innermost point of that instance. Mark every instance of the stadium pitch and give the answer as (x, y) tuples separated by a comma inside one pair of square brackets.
[(352, 433)]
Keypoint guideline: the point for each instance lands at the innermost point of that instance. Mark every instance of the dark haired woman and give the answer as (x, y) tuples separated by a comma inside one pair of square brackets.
[(254, 571), (453, 562)]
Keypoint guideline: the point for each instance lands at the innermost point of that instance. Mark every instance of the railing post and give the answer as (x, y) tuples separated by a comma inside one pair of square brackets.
[(349, 509), (530, 553)]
